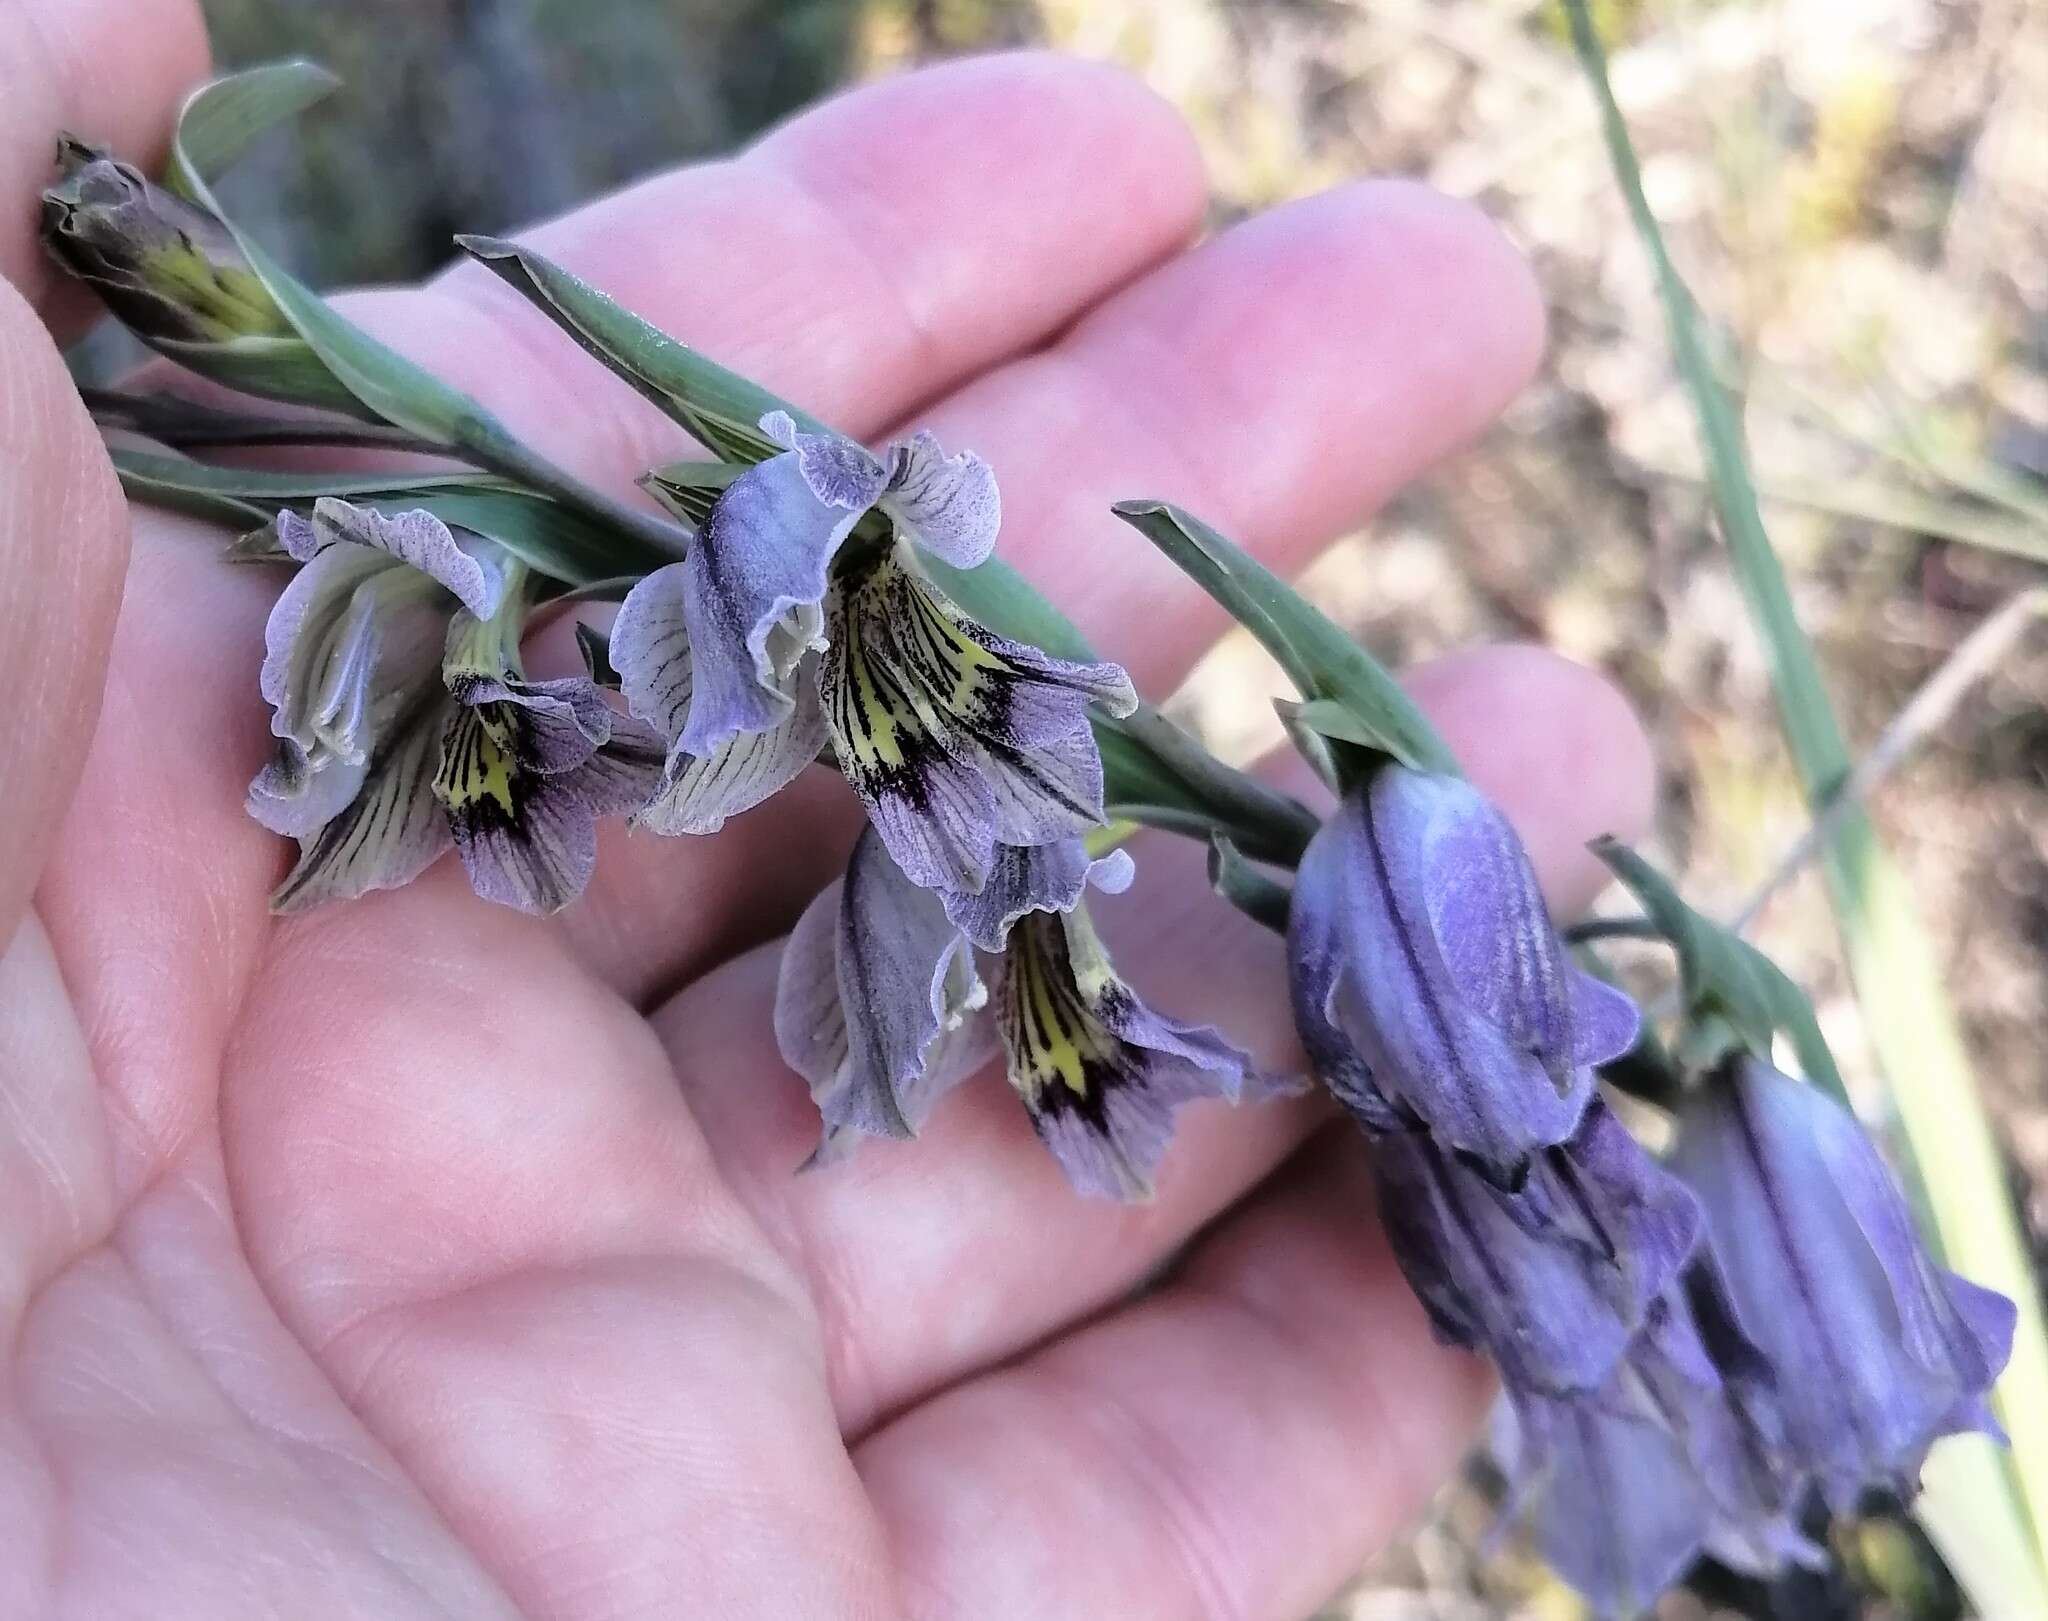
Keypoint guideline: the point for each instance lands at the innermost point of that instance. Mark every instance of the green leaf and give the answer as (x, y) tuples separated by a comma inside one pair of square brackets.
[(548, 536), (688, 489), (1723, 976), (1347, 694), (720, 409), (225, 116)]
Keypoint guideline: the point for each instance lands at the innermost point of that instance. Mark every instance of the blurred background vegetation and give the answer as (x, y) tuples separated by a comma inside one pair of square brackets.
[(1858, 191)]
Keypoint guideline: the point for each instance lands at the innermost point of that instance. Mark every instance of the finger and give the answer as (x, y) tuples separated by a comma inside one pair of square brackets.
[(1235, 1444), (1281, 380), (109, 71), (933, 1257), (63, 539), (863, 257)]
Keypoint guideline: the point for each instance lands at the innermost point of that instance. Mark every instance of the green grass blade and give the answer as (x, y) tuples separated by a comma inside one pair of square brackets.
[(1898, 983)]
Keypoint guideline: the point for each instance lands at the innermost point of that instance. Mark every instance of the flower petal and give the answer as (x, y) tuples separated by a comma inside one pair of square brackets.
[(1618, 1513), (956, 739), (1464, 1029), (1554, 1280), (904, 982), (390, 832), (469, 566), (537, 860), (1878, 1351), (298, 793), (696, 796), (1035, 878), (947, 504), (650, 648), (751, 589), (1101, 1074)]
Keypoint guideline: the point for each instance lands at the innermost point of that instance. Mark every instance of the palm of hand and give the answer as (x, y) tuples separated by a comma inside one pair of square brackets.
[(417, 1258)]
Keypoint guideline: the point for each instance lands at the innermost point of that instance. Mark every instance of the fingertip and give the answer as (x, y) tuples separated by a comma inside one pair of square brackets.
[(1019, 147), (1399, 257), (1556, 744)]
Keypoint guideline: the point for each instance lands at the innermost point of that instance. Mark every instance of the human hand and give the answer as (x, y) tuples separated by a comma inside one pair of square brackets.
[(417, 1258)]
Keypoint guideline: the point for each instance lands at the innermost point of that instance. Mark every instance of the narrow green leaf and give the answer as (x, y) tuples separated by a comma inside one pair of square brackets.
[(552, 538), (720, 409), (181, 474), (223, 117), (287, 369), (1352, 698), (1724, 976)]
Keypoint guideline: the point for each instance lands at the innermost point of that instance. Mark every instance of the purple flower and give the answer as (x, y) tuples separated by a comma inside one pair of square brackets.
[(882, 1007), (1553, 1280), (1878, 1351), (354, 644), (798, 620), (1429, 983), (1102, 1074), (1680, 1453), (406, 724)]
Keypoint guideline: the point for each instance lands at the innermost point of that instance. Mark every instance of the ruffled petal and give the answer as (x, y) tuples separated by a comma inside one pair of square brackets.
[(947, 504), (752, 586), (297, 793), (467, 565), (1034, 878), (650, 648), (904, 987), (696, 796)]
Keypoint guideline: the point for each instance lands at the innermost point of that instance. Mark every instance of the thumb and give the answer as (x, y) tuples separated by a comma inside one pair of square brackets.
[(63, 552)]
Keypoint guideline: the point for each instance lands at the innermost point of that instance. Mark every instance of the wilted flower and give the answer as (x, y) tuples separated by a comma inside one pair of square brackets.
[(1554, 1280), (1429, 983), (881, 1007), (167, 268), (405, 722), (785, 629), (1878, 1351)]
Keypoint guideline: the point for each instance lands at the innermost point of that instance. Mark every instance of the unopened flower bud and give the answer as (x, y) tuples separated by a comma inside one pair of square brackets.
[(169, 269)]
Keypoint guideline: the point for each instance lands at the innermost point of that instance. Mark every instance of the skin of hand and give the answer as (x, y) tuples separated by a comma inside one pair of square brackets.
[(418, 1259)]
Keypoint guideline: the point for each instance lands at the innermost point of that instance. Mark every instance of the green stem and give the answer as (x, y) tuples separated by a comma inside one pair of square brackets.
[(1263, 822), (1897, 976)]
